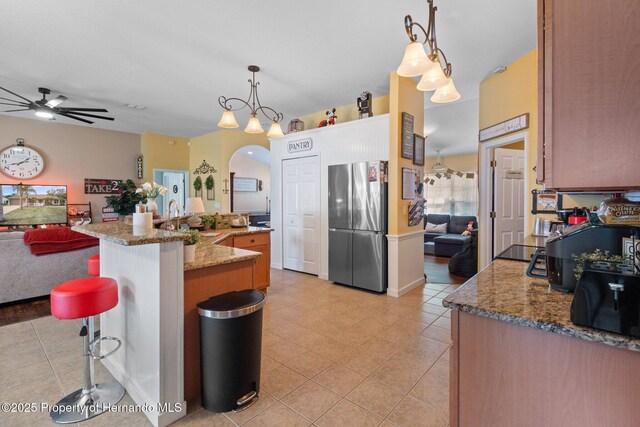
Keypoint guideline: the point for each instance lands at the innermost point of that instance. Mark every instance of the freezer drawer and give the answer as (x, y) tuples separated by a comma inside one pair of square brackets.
[(340, 256), (370, 261)]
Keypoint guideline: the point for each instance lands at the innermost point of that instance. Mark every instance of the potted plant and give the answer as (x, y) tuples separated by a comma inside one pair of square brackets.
[(207, 221), (190, 245), (125, 202)]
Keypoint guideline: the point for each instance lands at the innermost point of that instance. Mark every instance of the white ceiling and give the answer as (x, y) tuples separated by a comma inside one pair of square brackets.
[(177, 58), (254, 152), (452, 128)]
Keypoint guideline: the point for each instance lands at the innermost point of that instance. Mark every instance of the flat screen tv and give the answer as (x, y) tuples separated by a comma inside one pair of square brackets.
[(33, 204)]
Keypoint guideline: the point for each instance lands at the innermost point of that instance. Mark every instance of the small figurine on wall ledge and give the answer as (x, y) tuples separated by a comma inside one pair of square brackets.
[(331, 120), (364, 105)]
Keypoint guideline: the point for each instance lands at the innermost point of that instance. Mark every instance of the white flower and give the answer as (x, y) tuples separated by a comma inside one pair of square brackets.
[(139, 190)]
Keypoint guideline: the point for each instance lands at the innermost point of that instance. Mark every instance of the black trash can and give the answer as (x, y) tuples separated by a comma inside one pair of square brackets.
[(230, 349)]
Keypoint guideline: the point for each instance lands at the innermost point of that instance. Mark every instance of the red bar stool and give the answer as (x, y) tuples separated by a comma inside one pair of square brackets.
[(83, 299), (93, 265)]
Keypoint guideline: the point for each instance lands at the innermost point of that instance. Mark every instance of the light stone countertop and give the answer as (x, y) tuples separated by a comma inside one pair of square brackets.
[(123, 234), (503, 291), (210, 254)]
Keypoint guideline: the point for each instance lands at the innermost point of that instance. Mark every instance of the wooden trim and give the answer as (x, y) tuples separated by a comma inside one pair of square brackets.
[(547, 93), (540, 169), (454, 385)]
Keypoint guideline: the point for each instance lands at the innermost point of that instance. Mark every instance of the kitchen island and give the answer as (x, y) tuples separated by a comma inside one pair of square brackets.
[(154, 317), (517, 360)]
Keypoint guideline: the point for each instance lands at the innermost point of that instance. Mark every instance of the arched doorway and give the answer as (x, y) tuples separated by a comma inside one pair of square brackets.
[(250, 182)]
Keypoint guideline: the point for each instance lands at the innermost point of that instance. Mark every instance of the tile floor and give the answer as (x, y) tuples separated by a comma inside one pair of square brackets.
[(332, 356)]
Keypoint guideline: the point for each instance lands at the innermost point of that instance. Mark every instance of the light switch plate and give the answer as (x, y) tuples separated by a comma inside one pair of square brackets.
[(405, 209), (216, 205)]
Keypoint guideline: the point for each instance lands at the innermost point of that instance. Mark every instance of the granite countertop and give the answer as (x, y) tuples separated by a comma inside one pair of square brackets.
[(209, 254), (537, 241), (220, 235), (123, 234), (502, 291)]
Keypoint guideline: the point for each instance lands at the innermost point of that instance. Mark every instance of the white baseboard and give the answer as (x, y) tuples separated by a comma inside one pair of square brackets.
[(407, 288)]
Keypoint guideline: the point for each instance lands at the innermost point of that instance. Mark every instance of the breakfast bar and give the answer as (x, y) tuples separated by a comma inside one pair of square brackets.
[(518, 360), (156, 316)]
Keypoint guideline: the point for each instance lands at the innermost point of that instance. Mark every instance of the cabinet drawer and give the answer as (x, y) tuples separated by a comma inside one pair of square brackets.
[(250, 240)]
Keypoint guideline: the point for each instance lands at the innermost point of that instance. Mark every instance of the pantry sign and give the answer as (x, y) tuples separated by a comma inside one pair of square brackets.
[(300, 145)]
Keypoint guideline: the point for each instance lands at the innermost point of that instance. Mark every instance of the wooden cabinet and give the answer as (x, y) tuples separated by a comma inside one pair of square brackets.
[(258, 242), (589, 94)]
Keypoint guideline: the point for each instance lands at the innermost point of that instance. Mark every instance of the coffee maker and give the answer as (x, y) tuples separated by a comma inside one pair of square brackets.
[(561, 248)]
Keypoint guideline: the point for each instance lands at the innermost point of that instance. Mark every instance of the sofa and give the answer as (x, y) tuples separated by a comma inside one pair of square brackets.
[(448, 243), (23, 275)]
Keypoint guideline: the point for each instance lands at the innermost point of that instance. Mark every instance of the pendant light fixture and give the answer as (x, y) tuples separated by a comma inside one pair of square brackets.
[(434, 67), (228, 120)]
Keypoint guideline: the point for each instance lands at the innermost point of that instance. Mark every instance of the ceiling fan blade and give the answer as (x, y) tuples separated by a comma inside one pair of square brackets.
[(75, 118), (15, 94), (14, 101), (89, 115), (11, 111), (14, 104), (95, 110), (56, 101)]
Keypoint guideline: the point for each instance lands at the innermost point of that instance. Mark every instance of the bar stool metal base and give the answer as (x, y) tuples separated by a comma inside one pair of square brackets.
[(79, 406)]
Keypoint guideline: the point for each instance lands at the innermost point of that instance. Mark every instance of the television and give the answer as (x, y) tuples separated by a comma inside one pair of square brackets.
[(33, 204)]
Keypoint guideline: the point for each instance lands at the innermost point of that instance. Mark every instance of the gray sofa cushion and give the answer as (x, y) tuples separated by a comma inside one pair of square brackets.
[(23, 275), (455, 239)]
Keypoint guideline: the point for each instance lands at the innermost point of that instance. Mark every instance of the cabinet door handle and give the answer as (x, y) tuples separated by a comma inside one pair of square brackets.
[(252, 240)]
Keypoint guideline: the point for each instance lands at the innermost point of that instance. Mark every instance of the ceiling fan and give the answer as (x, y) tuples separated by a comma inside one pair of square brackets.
[(48, 108)]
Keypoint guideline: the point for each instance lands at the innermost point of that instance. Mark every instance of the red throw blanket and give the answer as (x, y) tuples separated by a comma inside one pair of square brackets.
[(59, 239)]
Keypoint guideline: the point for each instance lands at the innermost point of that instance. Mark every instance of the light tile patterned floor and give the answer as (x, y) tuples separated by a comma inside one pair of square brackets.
[(332, 356)]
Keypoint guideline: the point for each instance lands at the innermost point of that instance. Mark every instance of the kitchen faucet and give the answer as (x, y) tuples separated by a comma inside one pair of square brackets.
[(170, 226)]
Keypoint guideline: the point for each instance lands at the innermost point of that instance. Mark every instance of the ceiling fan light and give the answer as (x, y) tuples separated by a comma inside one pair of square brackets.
[(275, 131), (415, 61), (44, 113), (433, 79), (52, 103), (447, 93), (228, 120), (254, 126)]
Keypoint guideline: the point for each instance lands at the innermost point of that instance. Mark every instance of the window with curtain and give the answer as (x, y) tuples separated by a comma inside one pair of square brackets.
[(454, 196)]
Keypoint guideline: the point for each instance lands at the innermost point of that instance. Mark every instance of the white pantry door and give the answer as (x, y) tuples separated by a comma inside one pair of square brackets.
[(301, 208), (508, 191)]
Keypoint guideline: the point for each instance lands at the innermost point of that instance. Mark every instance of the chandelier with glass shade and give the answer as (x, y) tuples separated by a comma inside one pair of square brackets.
[(228, 120), (434, 67)]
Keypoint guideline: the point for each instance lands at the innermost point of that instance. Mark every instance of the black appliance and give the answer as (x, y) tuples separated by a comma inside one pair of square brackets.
[(575, 240), (607, 297)]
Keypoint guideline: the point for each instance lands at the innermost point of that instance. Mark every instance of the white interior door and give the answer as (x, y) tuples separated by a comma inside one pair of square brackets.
[(175, 182), (508, 190), (301, 208)]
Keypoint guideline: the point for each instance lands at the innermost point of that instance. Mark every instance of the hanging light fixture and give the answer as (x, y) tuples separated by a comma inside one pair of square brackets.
[(228, 120), (436, 70), (439, 167)]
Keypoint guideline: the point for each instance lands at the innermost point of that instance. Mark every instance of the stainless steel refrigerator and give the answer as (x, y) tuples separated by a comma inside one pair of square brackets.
[(358, 225)]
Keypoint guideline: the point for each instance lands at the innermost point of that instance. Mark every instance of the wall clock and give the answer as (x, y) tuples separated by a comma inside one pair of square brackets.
[(21, 162)]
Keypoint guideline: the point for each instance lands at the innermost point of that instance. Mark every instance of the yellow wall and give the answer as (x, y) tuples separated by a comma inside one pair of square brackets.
[(510, 94), (159, 154), (345, 113), (404, 97), (462, 162), (217, 148)]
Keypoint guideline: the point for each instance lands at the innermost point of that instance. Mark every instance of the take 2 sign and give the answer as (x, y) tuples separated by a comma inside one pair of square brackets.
[(102, 186)]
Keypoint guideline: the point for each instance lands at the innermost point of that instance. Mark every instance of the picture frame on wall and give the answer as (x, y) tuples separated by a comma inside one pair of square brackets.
[(406, 136), (418, 149)]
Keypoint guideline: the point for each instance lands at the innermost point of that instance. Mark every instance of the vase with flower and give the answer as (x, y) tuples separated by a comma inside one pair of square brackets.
[(151, 190)]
